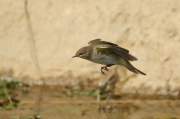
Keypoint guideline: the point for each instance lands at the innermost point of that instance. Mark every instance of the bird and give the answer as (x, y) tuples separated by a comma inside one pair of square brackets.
[(108, 54)]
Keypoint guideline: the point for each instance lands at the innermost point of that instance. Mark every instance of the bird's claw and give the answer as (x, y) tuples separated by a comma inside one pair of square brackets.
[(104, 68)]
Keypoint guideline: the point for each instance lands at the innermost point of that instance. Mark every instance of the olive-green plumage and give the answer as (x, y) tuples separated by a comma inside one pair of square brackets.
[(107, 53)]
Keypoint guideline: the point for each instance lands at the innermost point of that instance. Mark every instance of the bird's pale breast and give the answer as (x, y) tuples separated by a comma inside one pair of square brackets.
[(102, 58)]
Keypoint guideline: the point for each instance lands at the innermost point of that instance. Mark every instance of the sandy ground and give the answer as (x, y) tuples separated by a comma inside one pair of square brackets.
[(59, 106)]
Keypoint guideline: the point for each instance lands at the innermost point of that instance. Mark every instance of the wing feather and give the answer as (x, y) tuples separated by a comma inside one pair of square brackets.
[(125, 55), (104, 46), (98, 41), (115, 49), (109, 44)]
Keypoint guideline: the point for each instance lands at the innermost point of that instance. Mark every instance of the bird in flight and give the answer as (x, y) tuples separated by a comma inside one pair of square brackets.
[(108, 54)]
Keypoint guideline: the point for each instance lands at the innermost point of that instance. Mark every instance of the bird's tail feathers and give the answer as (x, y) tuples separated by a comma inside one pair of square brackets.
[(130, 67)]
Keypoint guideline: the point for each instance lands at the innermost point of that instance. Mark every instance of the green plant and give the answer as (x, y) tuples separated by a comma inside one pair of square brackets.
[(8, 98)]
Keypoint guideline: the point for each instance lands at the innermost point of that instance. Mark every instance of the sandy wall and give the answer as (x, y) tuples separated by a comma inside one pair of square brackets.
[(148, 28)]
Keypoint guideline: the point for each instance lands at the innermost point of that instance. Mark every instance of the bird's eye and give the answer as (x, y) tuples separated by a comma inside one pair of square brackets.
[(80, 54)]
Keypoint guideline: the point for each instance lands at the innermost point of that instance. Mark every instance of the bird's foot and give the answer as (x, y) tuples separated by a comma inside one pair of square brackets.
[(104, 68)]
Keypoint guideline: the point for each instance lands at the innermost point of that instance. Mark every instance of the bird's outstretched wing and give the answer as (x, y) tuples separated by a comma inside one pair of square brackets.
[(125, 55), (98, 41), (103, 46)]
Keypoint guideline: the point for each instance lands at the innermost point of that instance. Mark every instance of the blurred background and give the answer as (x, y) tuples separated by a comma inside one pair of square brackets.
[(39, 37)]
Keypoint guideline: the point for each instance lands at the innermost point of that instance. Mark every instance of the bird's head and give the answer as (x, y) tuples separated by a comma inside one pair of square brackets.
[(83, 53)]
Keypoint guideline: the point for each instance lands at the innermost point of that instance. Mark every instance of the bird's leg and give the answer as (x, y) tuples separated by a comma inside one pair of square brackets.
[(105, 68)]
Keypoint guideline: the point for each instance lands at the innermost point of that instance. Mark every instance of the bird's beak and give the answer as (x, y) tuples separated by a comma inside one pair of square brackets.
[(74, 56)]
